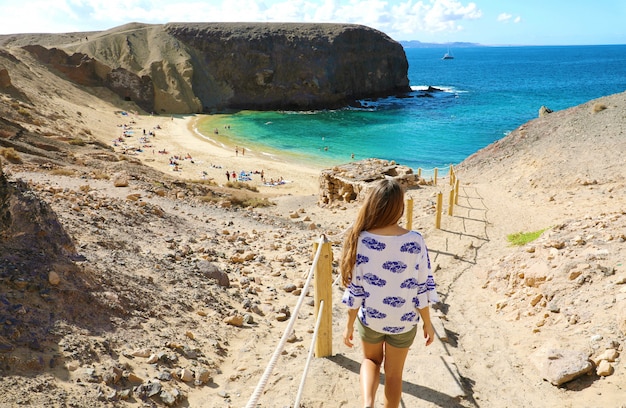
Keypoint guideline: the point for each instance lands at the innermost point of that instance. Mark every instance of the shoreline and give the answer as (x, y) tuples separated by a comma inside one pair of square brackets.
[(226, 133), (219, 121)]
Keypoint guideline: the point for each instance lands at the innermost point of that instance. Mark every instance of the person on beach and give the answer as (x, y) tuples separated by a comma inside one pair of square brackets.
[(389, 286), (227, 176)]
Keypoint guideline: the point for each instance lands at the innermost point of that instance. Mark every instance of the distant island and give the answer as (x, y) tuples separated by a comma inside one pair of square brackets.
[(419, 44)]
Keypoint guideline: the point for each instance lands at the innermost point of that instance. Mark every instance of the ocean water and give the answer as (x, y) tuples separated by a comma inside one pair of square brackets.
[(486, 92)]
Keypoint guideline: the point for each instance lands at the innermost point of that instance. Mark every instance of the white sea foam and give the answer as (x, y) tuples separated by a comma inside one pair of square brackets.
[(442, 88), (202, 135)]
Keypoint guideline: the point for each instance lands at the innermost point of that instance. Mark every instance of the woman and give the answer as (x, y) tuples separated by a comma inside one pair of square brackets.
[(386, 272)]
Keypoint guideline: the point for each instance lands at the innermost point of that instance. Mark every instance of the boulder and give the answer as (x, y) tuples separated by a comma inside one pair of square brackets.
[(543, 111), (5, 78), (350, 182), (211, 271), (561, 365)]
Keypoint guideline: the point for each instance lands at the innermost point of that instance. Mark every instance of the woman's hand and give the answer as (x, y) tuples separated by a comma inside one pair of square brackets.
[(429, 333), (349, 330), (348, 335)]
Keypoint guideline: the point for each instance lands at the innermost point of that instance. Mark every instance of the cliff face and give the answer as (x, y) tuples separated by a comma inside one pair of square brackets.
[(290, 66), (84, 70), (195, 67)]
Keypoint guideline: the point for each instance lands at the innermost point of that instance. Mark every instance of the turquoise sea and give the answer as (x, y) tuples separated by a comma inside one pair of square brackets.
[(486, 93)]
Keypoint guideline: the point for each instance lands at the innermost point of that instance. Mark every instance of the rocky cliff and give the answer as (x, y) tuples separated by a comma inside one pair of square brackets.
[(291, 66), (202, 67), (351, 181)]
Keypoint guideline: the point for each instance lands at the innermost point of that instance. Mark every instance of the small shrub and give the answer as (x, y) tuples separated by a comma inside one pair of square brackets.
[(11, 155), (63, 172), (77, 141), (256, 202), (85, 188), (523, 238), (239, 185), (598, 107), (204, 182), (24, 112), (209, 198), (100, 175)]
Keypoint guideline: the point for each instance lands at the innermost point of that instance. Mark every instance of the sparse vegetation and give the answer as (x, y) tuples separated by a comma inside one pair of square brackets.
[(523, 238), (209, 198), (24, 112), (100, 175), (239, 185), (243, 200), (63, 172), (77, 141), (5, 133), (205, 182), (254, 202), (11, 155)]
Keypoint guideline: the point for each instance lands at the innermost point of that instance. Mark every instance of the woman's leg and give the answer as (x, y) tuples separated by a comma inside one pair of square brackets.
[(370, 371), (394, 366)]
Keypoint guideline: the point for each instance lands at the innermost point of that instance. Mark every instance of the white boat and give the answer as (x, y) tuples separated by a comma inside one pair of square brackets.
[(448, 55)]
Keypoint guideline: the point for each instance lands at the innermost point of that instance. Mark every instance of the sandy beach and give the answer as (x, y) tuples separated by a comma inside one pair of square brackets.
[(203, 158)]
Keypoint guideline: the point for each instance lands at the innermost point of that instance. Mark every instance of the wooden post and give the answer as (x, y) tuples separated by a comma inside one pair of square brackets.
[(419, 172), (435, 176), (409, 213), (452, 176), (451, 205), (323, 291), (456, 191), (438, 210)]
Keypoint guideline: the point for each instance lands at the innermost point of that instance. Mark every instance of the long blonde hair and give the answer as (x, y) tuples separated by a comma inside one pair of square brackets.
[(383, 206)]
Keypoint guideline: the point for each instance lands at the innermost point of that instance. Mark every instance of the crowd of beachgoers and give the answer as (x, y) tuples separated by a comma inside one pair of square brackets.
[(135, 140)]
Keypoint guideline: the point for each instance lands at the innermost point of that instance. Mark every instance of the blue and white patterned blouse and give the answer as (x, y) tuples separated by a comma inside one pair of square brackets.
[(391, 279)]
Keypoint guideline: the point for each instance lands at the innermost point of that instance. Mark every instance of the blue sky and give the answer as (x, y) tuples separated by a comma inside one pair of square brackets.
[(490, 22)]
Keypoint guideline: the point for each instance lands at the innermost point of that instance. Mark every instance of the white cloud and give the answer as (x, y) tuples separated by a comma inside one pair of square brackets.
[(506, 17), (434, 16), (35, 16), (503, 17), (405, 18)]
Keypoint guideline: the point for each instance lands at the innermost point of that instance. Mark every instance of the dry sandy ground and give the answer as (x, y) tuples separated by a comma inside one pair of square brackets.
[(563, 173)]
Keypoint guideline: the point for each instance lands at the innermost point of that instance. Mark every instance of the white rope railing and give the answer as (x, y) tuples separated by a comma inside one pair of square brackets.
[(252, 402), (431, 172), (308, 360)]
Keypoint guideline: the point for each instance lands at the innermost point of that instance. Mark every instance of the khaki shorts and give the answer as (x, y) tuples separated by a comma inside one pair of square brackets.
[(402, 340)]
